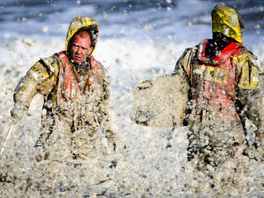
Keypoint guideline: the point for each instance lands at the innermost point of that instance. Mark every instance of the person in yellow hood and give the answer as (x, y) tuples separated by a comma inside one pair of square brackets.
[(75, 89), (224, 94)]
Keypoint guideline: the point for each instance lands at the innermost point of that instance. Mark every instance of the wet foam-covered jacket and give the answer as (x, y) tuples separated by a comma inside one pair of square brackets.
[(224, 86), (76, 97)]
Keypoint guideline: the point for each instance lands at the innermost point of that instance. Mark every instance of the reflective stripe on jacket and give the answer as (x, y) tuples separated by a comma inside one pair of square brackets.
[(215, 84)]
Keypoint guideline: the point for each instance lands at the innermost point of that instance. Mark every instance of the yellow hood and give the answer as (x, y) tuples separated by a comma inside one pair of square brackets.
[(82, 22), (227, 21)]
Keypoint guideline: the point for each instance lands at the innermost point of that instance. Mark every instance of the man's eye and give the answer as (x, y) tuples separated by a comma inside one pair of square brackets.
[(77, 46)]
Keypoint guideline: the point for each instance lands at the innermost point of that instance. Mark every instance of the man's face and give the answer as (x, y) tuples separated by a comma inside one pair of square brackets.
[(80, 48)]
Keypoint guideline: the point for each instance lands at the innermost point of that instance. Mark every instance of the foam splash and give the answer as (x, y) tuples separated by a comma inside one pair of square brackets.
[(148, 162)]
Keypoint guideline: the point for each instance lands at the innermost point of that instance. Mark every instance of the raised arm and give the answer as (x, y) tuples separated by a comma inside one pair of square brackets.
[(40, 78)]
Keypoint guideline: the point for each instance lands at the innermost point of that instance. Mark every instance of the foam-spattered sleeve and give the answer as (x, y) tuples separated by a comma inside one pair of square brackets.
[(36, 80), (183, 65)]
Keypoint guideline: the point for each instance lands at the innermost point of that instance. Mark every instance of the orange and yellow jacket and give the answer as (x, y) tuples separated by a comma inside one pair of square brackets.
[(226, 86), (57, 79)]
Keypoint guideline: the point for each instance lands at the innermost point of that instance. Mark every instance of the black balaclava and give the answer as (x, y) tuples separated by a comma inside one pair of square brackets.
[(217, 44)]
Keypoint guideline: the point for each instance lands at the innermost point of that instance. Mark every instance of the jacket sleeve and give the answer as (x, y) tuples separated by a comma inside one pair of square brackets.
[(40, 78), (249, 95), (183, 65)]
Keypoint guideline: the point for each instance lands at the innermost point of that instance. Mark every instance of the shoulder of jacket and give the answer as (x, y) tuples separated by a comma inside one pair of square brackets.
[(247, 59), (51, 64), (191, 53), (99, 66), (51, 59), (188, 53), (245, 52), (60, 56), (192, 49)]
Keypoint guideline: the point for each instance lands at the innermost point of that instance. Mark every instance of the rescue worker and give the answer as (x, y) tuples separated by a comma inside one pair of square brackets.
[(224, 92), (75, 89)]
